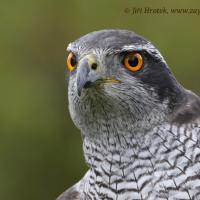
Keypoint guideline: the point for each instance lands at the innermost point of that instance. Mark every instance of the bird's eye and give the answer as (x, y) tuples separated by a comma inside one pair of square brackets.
[(133, 61), (71, 62)]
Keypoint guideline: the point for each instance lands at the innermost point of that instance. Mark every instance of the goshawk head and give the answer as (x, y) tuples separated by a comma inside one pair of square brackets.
[(121, 73)]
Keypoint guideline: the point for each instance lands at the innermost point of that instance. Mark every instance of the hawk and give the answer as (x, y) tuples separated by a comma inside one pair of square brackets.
[(140, 127)]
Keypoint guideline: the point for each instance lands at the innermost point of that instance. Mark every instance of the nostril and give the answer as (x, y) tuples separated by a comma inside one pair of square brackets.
[(94, 66)]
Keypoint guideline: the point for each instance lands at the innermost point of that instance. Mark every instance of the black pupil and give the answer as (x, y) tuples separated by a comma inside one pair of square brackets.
[(73, 60), (133, 61)]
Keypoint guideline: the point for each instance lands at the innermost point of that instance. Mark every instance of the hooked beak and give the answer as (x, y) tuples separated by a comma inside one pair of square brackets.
[(82, 76), (87, 76)]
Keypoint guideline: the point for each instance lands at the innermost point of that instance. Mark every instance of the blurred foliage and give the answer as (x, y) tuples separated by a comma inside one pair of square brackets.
[(40, 148)]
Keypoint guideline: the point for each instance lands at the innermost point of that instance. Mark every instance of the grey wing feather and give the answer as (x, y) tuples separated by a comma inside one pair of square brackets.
[(75, 192), (189, 110), (70, 194)]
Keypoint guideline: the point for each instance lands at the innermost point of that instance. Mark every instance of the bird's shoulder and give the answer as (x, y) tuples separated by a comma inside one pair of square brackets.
[(70, 194), (189, 110)]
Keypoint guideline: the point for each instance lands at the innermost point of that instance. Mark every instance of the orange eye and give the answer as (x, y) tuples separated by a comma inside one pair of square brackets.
[(71, 62), (133, 61)]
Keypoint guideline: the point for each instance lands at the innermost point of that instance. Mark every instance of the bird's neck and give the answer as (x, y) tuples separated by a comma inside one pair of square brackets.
[(109, 151), (115, 148), (116, 162), (118, 140)]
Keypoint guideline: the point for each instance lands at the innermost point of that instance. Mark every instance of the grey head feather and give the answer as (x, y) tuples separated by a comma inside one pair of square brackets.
[(113, 41), (107, 39), (108, 47)]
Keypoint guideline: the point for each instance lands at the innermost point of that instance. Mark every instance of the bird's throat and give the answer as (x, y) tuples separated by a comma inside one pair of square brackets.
[(115, 164)]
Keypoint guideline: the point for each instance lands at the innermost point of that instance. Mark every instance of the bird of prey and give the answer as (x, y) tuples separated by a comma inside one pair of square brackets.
[(140, 127)]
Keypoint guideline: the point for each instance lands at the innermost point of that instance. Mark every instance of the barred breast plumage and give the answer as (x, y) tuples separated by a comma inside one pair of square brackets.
[(140, 127), (164, 164)]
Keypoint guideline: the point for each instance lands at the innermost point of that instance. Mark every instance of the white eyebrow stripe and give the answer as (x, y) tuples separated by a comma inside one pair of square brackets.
[(73, 47), (69, 47), (148, 47)]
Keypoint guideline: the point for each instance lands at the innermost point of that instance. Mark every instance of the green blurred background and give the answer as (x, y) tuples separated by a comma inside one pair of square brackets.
[(40, 148)]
